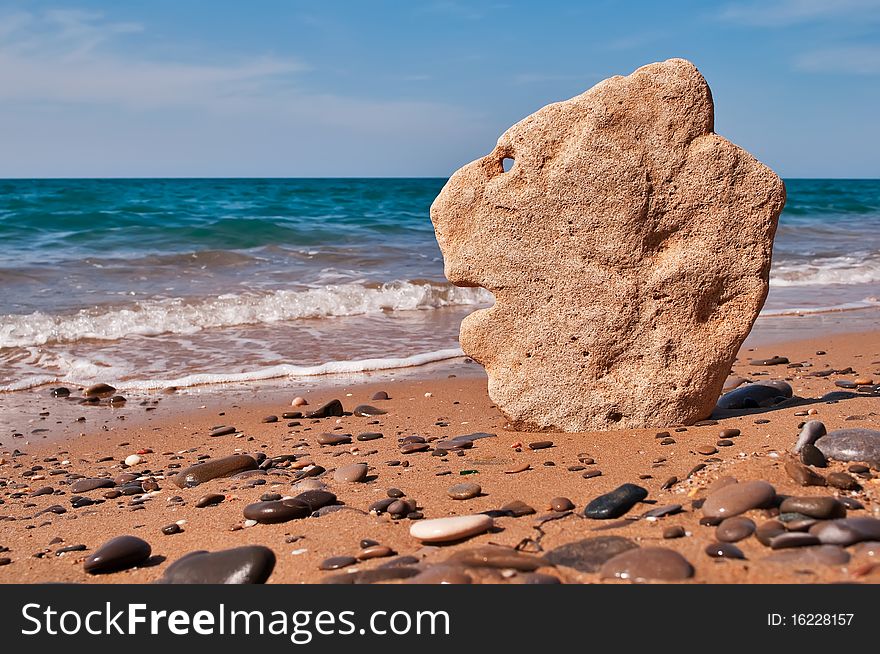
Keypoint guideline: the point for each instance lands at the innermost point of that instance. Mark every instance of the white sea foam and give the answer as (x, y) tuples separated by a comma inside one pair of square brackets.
[(77, 374), (867, 303), (180, 316), (827, 270)]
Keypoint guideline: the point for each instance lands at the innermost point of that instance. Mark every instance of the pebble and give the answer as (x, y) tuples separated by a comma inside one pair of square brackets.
[(821, 508), (315, 498), (333, 408), (132, 460), (440, 530), (753, 396), (369, 436), (210, 499), (729, 433), (299, 401), (464, 491), (352, 473), (772, 361), (803, 475), (334, 439), (646, 563), (707, 450), (519, 468), (222, 430), (250, 564), (86, 485), (851, 445), (738, 498), (412, 448), (812, 456), (847, 531), (616, 503), (61, 391), (590, 554), (590, 474), (380, 395), (732, 530), (99, 390), (724, 551), (442, 574), (540, 445), (366, 410), (676, 531), (561, 504), (374, 552), (495, 556), (810, 556), (766, 531), (269, 419), (170, 530), (517, 509), (118, 553), (277, 511), (212, 469), (792, 539), (812, 431), (843, 481), (337, 562)]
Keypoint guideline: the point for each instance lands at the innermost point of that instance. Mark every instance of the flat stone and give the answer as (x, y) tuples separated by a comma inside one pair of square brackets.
[(851, 445), (772, 361), (756, 395), (442, 574), (647, 563), (561, 504), (822, 508), (86, 485), (738, 498), (843, 481), (212, 469), (378, 575), (464, 491), (118, 553), (211, 499), (494, 556), (732, 530), (368, 410), (316, 498), (337, 562), (333, 408), (616, 503), (809, 556), (352, 473), (374, 552), (250, 564), (589, 554), (766, 531), (847, 531), (380, 395), (334, 439), (223, 430), (517, 509), (598, 236), (792, 539), (442, 530), (277, 511), (803, 475)]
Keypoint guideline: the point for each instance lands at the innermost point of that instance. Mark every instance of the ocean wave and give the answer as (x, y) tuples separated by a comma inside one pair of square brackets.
[(182, 316), (827, 270), (259, 374), (867, 303)]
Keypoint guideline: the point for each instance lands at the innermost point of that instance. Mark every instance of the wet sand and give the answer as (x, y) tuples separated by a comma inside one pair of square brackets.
[(172, 429)]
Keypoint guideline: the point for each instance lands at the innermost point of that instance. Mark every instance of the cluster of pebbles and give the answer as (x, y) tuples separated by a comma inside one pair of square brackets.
[(330, 486)]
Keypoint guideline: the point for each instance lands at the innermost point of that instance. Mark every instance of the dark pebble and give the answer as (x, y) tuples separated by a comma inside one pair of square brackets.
[(209, 500), (616, 503), (724, 551), (118, 554), (590, 554), (251, 564)]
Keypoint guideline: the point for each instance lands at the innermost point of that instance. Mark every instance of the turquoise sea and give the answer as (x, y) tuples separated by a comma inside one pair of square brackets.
[(146, 283)]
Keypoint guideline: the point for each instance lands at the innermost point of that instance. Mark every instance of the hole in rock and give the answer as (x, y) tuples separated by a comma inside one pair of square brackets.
[(507, 164)]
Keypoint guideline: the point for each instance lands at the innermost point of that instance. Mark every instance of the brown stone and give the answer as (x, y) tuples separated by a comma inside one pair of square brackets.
[(608, 314)]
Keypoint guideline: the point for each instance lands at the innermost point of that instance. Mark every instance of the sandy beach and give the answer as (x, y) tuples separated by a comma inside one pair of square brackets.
[(55, 441)]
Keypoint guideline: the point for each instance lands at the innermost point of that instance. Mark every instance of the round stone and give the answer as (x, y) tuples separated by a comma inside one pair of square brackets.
[(561, 504), (822, 508), (464, 491), (732, 530), (646, 563), (675, 531), (336, 562), (616, 503), (118, 554), (738, 498), (441, 530), (724, 551), (812, 456), (352, 473), (851, 445)]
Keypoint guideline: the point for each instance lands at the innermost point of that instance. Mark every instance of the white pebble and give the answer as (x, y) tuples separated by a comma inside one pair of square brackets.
[(299, 401), (441, 530), (132, 460), (429, 395), (250, 523)]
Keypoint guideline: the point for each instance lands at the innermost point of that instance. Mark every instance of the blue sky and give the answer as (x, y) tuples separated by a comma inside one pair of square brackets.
[(287, 88)]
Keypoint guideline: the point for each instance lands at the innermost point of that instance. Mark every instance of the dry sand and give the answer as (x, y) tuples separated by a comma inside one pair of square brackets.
[(176, 430)]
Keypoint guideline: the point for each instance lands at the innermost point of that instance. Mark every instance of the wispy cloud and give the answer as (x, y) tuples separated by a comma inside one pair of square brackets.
[(776, 13), (850, 59), (68, 56)]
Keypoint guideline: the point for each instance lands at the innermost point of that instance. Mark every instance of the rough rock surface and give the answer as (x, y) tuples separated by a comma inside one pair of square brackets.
[(628, 249)]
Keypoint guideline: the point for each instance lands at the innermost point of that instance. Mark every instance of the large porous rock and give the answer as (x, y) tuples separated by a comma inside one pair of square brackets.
[(628, 249)]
